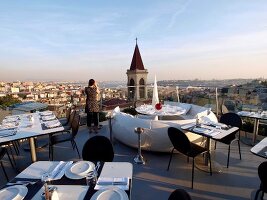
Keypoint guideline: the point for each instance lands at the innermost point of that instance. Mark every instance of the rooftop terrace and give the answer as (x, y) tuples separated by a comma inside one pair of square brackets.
[(152, 181)]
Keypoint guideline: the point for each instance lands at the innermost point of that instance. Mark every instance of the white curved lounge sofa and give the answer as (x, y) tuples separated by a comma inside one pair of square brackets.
[(155, 136)]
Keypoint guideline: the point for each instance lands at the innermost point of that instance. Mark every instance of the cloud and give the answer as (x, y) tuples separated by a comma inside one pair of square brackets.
[(180, 10)]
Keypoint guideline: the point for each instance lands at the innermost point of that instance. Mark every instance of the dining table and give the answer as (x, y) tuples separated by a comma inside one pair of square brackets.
[(256, 116), (210, 130), (113, 178), (260, 149), (29, 126)]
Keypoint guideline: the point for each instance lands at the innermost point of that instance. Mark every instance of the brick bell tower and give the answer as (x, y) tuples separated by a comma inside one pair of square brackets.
[(137, 77)]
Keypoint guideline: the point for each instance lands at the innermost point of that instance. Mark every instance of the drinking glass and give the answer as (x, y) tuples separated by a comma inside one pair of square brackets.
[(90, 179), (46, 177)]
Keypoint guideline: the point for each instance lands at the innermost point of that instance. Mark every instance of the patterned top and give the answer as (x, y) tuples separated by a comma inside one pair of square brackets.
[(91, 100)]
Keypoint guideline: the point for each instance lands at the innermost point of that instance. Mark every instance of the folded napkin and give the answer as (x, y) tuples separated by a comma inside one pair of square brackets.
[(201, 130), (46, 113), (120, 182), (59, 171), (187, 126), (52, 124), (112, 181), (9, 125), (7, 132), (212, 133), (48, 117)]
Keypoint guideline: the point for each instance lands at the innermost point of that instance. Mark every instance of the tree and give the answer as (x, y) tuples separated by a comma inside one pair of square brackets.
[(8, 101)]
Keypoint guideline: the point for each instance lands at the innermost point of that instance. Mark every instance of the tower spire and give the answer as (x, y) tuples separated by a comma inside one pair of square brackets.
[(137, 62)]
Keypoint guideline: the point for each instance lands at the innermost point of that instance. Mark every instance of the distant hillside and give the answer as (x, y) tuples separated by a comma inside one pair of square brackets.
[(204, 83)]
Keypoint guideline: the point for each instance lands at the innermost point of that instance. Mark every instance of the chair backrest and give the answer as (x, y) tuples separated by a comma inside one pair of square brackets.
[(2, 152), (98, 148), (179, 194), (179, 140), (231, 119), (75, 125), (224, 109), (262, 171), (72, 115), (68, 111)]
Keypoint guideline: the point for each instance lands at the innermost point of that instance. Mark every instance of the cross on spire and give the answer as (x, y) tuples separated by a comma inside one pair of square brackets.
[(136, 40)]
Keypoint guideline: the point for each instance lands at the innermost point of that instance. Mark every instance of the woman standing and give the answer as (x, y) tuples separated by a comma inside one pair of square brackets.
[(92, 107)]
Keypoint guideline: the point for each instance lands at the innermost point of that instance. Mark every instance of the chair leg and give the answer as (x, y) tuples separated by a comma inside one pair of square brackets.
[(228, 156), (4, 171), (75, 145), (170, 160), (14, 144), (13, 166), (49, 152), (72, 144), (210, 163), (193, 166), (12, 155), (52, 152), (239, 149), (257, 193), (262, 194)]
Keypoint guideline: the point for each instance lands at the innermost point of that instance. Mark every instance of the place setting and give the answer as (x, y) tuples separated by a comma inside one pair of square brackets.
[(48, 117), (6, 132), (14, 192), (20, 188), (51, 124), (46, 113)]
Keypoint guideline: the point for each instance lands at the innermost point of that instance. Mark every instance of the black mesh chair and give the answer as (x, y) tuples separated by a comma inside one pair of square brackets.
[(65, 136), (231, 119), (3, 152), (67, 119), (98, 148), (179, 194), (68, 125), (262, 171), (182, 144)]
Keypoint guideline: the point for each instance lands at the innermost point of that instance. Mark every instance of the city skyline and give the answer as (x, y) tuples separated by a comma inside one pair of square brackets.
[(183, 39)]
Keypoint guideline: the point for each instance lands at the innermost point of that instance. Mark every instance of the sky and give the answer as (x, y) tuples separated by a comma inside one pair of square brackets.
[(177, 39)]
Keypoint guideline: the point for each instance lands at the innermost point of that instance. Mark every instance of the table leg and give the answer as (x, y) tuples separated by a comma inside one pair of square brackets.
[(216, 168), (208, 147), (255, 130), (33, 150)]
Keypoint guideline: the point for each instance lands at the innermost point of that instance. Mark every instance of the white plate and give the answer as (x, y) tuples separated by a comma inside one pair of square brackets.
[(112, 193), (202, 130), (79, 169), (15, 192)]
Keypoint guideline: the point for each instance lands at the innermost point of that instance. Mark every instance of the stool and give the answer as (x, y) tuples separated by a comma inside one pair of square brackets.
[(139, 159)]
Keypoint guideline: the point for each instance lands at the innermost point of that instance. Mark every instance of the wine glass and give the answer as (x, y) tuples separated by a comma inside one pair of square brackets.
[(90, 178)]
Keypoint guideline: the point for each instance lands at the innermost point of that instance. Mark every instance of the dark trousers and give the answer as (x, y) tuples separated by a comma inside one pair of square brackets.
[(92, 117)]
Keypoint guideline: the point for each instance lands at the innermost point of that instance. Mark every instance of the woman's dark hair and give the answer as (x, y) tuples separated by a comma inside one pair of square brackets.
[(91, 82)]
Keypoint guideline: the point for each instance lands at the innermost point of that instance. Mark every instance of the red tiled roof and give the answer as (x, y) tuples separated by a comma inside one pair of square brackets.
[(137, 63), (114, 102)]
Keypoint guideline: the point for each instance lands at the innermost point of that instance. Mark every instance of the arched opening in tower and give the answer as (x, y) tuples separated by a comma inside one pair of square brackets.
[(142, 88), (131, 89)]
